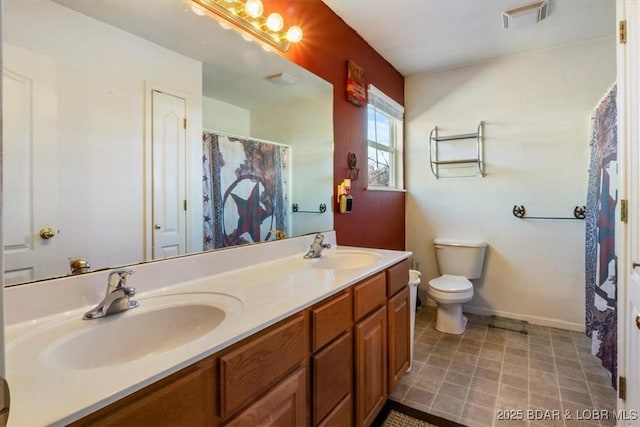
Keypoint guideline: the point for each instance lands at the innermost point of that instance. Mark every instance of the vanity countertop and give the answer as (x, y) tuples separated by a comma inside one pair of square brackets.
[(51, 389)]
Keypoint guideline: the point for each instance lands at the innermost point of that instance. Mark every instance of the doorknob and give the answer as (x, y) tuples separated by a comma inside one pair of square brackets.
[(47, 233), (638, 321), (157, 227)]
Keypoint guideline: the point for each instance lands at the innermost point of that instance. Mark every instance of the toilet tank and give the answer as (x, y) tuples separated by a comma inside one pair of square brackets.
[(460, 257)]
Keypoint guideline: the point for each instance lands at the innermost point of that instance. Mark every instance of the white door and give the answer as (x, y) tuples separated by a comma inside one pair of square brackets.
[(168, 137), (30, 167), (628, 141)]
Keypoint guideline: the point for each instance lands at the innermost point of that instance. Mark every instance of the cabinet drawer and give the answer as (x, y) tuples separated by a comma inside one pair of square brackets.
[(369, 294), (330, 320), (397, 277), (186, 398), (332, 376), (251, 369)]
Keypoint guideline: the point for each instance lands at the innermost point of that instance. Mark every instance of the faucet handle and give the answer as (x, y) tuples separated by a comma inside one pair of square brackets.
[(118, 279)]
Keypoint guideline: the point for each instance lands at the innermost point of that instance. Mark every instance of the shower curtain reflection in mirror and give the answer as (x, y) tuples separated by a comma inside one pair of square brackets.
[(246, 190)]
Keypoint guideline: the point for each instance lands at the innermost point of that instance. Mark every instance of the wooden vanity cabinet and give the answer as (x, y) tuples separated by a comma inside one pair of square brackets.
[(186, 398), (370, 366), (370, 337), (399, 340), (284, 405), (332, 360), (255, 365), (331, 365), (398, 317)]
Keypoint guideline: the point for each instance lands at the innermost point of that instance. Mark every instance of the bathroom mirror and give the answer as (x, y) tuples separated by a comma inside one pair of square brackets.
[(95, 97)]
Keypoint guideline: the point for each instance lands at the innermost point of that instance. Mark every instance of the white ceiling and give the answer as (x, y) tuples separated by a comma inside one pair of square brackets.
[(234, 70), (418, 36)]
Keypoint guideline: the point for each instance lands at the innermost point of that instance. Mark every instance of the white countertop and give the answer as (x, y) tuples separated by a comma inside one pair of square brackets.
[(260, 287)]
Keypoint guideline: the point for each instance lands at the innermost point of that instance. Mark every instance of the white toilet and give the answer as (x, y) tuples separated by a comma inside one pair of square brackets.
[(458, 261)]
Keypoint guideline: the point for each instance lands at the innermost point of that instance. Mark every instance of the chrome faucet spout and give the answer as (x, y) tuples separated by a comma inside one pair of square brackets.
[(117, 298), (317, 247)]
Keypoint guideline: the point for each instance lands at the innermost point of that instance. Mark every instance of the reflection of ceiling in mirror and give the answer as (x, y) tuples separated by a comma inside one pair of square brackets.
[(239, 79)]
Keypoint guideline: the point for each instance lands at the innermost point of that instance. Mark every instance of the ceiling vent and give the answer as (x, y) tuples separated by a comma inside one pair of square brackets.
[(525, 15), (282, 79)]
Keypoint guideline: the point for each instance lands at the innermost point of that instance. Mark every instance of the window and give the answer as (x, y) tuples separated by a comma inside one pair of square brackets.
[(385, 141)]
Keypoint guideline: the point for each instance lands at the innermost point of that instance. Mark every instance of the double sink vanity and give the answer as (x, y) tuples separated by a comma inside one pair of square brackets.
[(246, 336)]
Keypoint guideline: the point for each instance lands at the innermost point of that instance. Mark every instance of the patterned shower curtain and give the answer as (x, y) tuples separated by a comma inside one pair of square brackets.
[(245, 190), (600, 257)]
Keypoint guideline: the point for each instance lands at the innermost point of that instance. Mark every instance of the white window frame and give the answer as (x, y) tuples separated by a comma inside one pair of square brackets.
[(382, 103)]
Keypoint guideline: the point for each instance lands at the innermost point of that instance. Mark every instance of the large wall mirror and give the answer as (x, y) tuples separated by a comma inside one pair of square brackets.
[(97, 161)]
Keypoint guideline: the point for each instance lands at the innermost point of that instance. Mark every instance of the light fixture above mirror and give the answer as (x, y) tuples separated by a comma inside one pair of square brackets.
[(247, 15)]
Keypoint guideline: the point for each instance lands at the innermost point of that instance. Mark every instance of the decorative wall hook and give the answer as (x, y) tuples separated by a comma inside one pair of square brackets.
[(354, 171)]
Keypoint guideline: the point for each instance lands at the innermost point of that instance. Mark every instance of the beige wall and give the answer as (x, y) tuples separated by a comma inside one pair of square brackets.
[(536, 108), (225, 117)]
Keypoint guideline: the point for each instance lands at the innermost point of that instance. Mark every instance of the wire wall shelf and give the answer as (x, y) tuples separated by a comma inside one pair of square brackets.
[(438, 164)]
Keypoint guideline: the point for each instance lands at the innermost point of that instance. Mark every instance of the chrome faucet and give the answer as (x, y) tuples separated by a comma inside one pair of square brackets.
[(117, 297), (317, 247)]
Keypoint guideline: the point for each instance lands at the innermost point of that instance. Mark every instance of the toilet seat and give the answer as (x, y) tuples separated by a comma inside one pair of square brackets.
[(448, 283)]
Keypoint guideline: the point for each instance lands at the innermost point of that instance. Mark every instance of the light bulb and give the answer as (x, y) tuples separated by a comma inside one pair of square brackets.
[(294, 34), (253, 8), (275, 22)]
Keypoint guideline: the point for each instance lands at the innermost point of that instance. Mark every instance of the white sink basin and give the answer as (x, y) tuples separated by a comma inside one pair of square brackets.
[(342, 259), (160, 324)]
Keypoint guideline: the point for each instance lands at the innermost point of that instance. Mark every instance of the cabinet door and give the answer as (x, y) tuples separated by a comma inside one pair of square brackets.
[(341, 415), (185, 398), (332, 376), (371, 366), (399, 338), (257, 364), (285, 405)]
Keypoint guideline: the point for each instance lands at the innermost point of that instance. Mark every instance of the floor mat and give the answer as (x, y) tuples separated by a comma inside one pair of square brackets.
[(395, 414)]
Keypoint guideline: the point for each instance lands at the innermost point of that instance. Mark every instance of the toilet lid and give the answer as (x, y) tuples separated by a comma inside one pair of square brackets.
[(449, 283)]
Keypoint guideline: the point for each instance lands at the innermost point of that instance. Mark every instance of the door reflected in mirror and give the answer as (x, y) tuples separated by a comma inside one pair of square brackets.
[(105, 109)]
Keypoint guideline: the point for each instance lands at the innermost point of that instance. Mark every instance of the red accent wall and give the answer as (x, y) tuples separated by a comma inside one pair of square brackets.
[(378, 218)]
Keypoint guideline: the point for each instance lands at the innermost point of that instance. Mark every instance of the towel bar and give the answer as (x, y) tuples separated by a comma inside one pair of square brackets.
[(520, 212), (321, 209)]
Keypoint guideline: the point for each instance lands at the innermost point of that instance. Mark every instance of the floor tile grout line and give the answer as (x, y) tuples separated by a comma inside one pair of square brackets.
[(464, 402), (495, 405), (555, 369), (584, 374)]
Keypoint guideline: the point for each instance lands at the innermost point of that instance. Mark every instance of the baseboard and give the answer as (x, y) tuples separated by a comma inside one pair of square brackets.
[(533, 320)]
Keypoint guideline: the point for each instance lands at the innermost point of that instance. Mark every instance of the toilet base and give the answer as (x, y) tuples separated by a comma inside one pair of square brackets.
[(450, 320)]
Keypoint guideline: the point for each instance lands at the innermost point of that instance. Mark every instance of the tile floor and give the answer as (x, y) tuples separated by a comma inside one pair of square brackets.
[(545, 378)]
